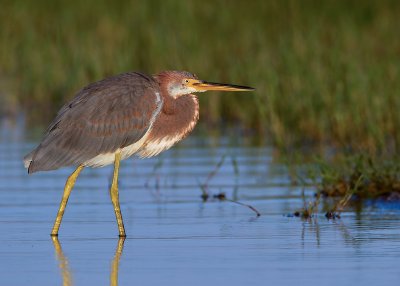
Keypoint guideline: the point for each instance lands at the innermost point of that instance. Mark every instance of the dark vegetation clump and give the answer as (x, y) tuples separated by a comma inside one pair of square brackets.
[(349, 180), (363, 177)]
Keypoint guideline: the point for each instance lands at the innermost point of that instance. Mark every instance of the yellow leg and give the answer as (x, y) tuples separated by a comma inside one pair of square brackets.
[(67, 191), (115, 197)]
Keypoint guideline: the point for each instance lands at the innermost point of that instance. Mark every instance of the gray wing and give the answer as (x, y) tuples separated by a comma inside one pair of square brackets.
[(103, 117)]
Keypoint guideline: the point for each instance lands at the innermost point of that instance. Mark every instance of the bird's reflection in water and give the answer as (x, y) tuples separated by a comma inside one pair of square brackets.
[(115, 262), (62, 262), (66, 273)]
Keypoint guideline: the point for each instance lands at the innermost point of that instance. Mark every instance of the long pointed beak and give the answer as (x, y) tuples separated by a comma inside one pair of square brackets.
[(205, 85)]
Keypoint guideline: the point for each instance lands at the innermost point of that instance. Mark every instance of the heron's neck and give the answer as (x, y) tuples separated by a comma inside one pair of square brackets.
[(176, 120), (181, 113)]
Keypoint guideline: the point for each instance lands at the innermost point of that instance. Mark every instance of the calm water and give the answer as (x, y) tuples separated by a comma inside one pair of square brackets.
[(176, 239)]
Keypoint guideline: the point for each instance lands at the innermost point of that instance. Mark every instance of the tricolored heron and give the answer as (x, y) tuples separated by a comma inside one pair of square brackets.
[(114, 118)]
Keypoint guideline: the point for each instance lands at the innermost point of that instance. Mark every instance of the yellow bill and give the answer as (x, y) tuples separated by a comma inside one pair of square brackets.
[(200, 85)]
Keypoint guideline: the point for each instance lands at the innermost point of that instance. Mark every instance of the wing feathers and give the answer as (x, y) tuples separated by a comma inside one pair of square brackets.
[(103, 117)]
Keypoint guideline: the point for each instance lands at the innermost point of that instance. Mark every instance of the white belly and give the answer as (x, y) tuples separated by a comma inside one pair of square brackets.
[(108, 158), (155, 147)]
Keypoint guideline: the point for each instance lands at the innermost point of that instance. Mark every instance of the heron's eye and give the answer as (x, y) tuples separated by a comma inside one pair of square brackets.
[(186, 81)]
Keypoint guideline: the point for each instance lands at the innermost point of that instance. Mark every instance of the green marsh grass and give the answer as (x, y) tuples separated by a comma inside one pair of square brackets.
[(326, 72), (360, 177), (347, 180)]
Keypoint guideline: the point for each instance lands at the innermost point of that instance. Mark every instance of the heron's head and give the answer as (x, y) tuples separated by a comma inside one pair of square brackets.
[(179, 83)]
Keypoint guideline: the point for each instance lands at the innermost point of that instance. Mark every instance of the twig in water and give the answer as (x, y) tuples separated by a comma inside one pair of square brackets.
[(204, 191), (338, 208), (154, 174), (221, 195), (245, 205), (236, 173), (204, 186)]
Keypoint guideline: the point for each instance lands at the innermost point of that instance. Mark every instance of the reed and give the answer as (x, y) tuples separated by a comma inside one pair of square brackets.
[(326, 72), (359, 177)]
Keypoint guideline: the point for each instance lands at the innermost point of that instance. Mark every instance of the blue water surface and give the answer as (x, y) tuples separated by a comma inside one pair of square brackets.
[(174, 238)]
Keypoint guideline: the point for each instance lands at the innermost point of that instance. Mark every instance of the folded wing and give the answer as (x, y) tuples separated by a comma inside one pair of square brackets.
[(103, 117)]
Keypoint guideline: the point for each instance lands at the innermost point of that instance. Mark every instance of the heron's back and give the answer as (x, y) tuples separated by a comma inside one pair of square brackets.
[(108, 115)]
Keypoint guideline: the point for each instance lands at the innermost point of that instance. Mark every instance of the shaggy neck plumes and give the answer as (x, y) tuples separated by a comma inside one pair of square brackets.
[(176, 120), (178, 117)]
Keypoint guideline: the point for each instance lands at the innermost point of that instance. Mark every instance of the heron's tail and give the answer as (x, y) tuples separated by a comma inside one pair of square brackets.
[(28, 160)]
